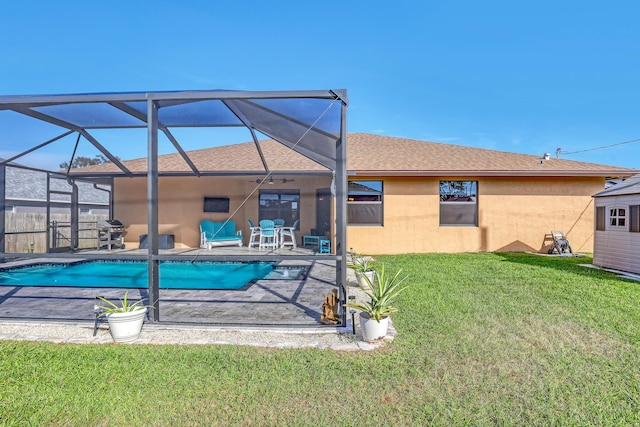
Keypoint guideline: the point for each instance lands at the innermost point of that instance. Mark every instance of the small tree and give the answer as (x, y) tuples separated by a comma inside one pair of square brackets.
[(82, 161)]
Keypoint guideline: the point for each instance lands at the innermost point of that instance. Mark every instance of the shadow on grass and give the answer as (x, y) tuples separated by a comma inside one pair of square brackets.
[(570, 264)]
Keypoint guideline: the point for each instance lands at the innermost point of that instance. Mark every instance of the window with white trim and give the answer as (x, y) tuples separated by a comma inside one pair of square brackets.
[(618, 217)]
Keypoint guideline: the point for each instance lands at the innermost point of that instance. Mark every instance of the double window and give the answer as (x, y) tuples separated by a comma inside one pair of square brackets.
[(280, 204), (459, 203), (364, 203)]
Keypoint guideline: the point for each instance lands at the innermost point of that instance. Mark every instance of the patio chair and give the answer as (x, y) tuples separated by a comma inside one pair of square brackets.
[(278, 222), (289, 232), (254, 237), (268, 235)]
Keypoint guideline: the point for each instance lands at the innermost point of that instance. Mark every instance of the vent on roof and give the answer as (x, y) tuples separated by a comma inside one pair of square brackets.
[(546, 156)]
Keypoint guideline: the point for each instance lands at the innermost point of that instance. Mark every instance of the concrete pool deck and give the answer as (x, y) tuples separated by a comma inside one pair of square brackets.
[(271, 313)]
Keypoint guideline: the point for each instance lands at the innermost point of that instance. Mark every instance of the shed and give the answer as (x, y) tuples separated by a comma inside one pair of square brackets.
[(617, 226)]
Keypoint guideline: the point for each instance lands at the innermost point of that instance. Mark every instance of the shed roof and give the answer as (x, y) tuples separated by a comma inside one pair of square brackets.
[(627, 187)]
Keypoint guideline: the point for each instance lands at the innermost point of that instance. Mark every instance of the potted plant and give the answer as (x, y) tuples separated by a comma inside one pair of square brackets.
[(382, 292), (125, 319), (363, 267)]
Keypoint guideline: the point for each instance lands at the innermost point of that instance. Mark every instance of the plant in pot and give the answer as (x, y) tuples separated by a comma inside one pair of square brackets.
[(125, 319), (382, 293), (363, 267)]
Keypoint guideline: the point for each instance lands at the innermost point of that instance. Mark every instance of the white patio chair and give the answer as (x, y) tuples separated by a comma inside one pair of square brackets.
[(254, 237), (288, 232)]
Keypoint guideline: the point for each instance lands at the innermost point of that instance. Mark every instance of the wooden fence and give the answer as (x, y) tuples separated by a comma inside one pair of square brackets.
[(27, 231)]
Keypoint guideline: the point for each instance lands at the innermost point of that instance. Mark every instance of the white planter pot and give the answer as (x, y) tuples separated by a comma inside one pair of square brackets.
[(373, 330), (126, 327), (362, 282)]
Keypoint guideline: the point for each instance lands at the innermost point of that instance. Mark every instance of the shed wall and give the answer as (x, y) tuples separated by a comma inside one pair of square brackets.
[(615, 248)]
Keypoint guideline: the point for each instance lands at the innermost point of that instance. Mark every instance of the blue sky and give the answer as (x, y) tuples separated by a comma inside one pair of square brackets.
[(527, 77)]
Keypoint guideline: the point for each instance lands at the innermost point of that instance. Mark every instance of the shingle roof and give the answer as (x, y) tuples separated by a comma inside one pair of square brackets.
[(628, 186), (31, 185), (228, 158), (369, 154)]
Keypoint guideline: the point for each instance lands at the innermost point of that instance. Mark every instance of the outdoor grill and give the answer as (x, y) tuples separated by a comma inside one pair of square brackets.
[(110, 233)]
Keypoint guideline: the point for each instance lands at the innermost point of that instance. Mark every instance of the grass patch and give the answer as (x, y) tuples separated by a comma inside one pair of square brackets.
[(484, 339)]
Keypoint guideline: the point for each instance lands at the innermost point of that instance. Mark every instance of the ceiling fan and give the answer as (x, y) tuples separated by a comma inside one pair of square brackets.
[(271, 180)]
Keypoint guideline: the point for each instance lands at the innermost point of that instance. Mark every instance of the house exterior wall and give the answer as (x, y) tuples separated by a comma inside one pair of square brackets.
[(617, 248), (514, 214), (180, 204)]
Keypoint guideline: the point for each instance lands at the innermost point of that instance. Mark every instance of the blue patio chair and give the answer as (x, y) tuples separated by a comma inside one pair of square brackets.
[(278, 222), (268, 235)]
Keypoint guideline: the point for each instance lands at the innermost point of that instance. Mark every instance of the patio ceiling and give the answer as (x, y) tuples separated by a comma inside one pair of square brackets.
[(308, 122)]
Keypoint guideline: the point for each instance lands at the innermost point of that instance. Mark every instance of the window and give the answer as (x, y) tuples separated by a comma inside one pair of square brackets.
[(364, 203), (276, 204), (459, 203), (617, 217), (600, 218), (634, 218)]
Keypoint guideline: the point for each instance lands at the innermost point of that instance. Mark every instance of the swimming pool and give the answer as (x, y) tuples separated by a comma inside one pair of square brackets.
[(134, 274)]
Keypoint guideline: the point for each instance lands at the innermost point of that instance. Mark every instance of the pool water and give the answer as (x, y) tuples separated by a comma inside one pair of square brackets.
[(134, 274)]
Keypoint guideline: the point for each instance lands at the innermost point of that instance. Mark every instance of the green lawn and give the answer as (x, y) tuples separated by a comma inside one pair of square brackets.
[(483, 339)]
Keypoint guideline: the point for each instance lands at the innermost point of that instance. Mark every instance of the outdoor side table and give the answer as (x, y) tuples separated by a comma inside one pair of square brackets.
[(311, 240), (325, 246)]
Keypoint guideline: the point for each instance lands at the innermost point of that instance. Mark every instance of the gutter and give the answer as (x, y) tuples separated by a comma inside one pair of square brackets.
[(526, 173)]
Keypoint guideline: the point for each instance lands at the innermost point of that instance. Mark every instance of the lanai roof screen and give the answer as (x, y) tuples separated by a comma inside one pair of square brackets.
[(114, 125)]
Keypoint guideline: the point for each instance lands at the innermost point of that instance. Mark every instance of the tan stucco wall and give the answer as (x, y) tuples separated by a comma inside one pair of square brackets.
[(180, 204), (514, 215)]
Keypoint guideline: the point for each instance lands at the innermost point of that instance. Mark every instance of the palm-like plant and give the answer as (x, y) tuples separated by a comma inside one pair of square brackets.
[(360, 264), (382, 293), (124, 307)]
